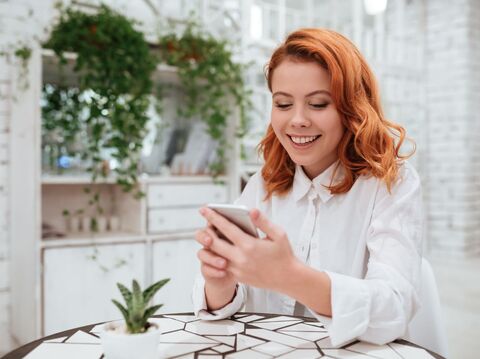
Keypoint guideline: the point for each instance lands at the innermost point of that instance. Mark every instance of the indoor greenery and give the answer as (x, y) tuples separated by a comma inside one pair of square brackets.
[(210, 78), (107, 111), (114, 66), (137, 311)]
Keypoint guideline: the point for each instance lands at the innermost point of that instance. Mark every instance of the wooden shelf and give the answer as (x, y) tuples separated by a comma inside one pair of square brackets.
[(70, 179), (83, 238), (81, 179), (51, 74)]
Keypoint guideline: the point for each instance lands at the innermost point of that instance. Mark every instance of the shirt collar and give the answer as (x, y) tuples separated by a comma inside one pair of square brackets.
[(302, 184)]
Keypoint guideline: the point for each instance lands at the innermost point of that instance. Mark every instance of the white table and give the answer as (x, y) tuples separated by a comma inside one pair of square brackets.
[(245, 335)]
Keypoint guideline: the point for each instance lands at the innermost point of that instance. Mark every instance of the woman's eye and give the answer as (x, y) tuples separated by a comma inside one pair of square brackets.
[(319, 105), (282, 105)]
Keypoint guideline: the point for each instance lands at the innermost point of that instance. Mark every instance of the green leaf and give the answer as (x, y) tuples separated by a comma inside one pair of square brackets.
[(151, 311), (126, 293), (150, 291), (122, 309), (138, 304)]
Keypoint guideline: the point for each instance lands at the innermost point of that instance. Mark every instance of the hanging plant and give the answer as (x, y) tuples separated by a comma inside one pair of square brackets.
[(115, 65), (210, 78)]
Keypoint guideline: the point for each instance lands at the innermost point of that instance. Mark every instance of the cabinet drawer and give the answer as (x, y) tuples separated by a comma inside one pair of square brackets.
[(176, 219), (167, 195)]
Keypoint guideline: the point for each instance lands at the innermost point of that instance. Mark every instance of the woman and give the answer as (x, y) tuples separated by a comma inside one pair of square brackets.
[(338, 204)]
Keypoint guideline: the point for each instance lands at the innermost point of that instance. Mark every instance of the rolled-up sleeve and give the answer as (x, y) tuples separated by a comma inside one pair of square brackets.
[(200, 303), (378, 308)]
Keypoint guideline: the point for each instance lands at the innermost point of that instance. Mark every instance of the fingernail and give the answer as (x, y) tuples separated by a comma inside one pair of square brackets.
[(207, 239), (202, 211), (221, 262)]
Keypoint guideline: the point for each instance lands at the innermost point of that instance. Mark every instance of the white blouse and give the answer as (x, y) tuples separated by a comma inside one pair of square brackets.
[(367, 240)]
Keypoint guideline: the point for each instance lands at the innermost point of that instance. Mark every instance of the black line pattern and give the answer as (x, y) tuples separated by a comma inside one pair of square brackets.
[(251, 336)]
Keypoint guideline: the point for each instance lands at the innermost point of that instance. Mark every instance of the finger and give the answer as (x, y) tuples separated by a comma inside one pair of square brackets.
[(265, 225), (203, 237), (211, 272), (213, 260), (228, 229), (223, 248)]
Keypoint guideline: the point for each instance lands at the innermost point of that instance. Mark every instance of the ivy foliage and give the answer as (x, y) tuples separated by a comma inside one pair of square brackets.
[(210, 78), (114, 63)]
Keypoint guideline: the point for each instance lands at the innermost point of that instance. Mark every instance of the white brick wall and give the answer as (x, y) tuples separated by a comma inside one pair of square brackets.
[(453, 94)]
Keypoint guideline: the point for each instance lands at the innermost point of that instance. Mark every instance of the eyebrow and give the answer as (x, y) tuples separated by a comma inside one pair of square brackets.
[(308, 95)]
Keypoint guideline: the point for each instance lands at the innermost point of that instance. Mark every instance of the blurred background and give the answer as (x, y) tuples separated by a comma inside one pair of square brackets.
[(103, 164)]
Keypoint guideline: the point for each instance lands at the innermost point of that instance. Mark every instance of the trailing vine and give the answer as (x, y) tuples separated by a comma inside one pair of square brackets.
[(115, 65), (210, 78)]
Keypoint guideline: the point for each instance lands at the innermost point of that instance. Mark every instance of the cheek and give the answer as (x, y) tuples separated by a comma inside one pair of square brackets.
[(278, 123), (334, 125)]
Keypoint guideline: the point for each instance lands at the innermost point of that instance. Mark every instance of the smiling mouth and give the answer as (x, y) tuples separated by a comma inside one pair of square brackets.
[(303, 140)]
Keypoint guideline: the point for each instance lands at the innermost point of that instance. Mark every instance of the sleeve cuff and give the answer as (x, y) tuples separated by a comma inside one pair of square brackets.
[(200, 302), (350, 309)]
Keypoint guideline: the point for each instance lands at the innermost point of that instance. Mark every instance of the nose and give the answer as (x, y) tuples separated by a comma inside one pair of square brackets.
[(299, 119)]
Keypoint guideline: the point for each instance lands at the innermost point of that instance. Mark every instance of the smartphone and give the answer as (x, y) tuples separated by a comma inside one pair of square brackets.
[(236, 214)]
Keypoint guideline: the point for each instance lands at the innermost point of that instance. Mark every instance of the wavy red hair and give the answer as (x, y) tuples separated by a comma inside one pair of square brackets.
[(370, 145)]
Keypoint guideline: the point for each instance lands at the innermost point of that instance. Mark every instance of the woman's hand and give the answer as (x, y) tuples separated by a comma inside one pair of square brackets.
[(213, 267), (219, 284), (263, 263)]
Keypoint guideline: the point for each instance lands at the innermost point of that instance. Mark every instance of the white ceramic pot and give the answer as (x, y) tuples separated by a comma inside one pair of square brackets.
[(119, 345), (114, 223), (102, 224), (74, 224), (86, 222)]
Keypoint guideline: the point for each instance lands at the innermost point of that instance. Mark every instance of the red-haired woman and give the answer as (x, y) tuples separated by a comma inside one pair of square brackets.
[(338, 204)]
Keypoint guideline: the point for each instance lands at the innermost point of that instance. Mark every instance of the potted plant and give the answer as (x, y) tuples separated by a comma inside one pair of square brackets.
[(135, 337)]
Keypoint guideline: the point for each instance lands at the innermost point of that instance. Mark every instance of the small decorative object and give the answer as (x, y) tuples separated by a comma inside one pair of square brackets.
[(74, 224), (86, 224), (72, 220), (101, 224), (135, 337), (114, 224)]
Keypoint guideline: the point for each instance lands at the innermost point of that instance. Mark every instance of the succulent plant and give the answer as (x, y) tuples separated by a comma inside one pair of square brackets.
[(137, 312)]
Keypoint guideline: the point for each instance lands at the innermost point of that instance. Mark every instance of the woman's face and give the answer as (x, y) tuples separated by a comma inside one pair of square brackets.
[(304, 117)]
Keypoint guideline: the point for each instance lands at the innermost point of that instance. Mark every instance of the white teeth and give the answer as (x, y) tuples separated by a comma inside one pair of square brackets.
[(303, 139)]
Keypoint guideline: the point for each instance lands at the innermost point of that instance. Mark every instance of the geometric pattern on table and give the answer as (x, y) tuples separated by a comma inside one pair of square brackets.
[(243, 336)]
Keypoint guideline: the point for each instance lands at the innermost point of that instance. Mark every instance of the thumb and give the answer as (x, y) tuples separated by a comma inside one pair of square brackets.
[(272, 231)]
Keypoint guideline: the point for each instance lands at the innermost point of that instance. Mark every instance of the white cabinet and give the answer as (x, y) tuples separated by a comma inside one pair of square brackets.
[(175, 259), (173, 219), (184, 194), (173, 207), (79, 282)]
